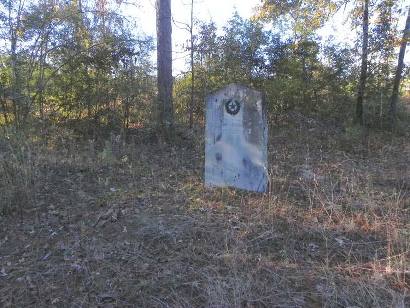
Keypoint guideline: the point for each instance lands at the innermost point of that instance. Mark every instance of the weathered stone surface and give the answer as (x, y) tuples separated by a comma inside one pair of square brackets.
[(236, 139)]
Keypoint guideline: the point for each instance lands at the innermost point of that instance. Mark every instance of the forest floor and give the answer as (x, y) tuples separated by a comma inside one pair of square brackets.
[(133, 226)]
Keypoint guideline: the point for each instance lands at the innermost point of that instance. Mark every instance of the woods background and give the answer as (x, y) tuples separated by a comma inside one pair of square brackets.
[(82, 64)]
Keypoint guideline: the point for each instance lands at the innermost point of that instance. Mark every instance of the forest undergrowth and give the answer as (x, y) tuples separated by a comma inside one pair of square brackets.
[(106, 223)]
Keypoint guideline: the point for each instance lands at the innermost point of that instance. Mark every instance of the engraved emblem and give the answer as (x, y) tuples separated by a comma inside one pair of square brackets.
[(232, 106)]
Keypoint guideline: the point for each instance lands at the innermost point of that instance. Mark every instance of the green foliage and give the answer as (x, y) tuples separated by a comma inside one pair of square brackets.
[(300, 17), (294, 74), (75, 63), (86, 66)]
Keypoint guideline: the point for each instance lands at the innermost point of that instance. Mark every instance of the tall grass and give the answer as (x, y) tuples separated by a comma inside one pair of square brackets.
[(19, 171)]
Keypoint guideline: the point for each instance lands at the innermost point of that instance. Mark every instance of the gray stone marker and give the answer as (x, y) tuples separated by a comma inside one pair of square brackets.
[(236, 137)]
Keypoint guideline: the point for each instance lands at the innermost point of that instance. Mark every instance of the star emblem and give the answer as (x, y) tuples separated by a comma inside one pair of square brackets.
[(232, 106)]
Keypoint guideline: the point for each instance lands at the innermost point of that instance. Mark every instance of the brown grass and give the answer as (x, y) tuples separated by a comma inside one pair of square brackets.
[(113, 225)]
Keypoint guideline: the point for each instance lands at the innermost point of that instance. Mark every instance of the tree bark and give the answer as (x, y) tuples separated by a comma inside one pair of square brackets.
[(14, 27), (363, 72), (41, 80), (191, 106), (15, 81), (400, 64), (164, 63)]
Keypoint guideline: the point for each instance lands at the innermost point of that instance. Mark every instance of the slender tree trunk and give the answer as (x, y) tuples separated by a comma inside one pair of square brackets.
[(126, 117), (15, 80), (41, 80), (15, 77), (363, 72), (4, 107), (191, 106), (399, 71), (305, 79), (164, 63)]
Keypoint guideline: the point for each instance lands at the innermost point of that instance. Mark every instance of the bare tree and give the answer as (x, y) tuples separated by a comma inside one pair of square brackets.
[(190, 29), (164, 63), (399, 71), (363, 72)]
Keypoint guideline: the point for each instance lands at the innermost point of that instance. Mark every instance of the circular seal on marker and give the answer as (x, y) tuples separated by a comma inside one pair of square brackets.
[(232, 106)]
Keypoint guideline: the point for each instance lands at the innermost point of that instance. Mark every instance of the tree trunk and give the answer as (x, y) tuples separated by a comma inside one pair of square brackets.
[(15, 82), (304, 77), (15, 73), (399, 71), (4, 107), (41, 80), (126, 118), (191, 106), (363, 72), (164, 63)]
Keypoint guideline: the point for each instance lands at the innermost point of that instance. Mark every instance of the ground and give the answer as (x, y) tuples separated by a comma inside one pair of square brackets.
[(87, 224)]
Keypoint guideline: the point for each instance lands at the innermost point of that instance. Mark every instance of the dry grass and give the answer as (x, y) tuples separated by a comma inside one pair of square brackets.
[(19, 169), (132, 225)]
